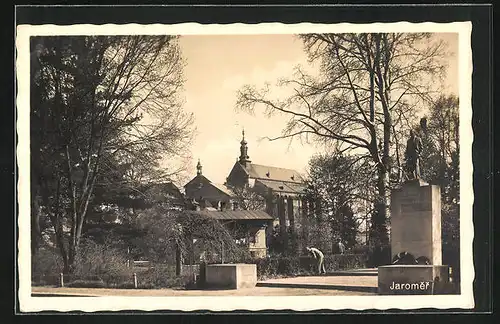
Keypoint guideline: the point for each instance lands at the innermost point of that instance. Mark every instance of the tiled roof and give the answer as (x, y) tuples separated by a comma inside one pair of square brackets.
[(258, 171), (202, 179), (223, 188), (234, 214), (199, 178), (281, 186)]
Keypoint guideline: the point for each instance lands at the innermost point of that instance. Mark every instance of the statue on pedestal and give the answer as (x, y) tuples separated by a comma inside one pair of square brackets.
[(412, 156)]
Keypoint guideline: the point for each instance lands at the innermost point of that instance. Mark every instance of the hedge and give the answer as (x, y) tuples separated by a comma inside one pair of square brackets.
[(305, 265)]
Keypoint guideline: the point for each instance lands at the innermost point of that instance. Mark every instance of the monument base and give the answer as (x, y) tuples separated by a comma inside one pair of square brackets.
[(413, 279), (231, 276)]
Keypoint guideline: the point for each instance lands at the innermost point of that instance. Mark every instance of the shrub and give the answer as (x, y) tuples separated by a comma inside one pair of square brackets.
[(163, 277), (45, 267), (104, 266), (81, 283), (46, 261), (304, 265), (379, 255), (338, 262), (103, 261), (451, 257)]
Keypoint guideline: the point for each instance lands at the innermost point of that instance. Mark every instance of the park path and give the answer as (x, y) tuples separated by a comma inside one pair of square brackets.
[(257, 291), (347, 281), (341, 285), (360, 283)]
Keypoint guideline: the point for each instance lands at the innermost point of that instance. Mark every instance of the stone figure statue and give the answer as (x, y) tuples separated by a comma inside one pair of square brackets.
[(405, 258), (412, 155)]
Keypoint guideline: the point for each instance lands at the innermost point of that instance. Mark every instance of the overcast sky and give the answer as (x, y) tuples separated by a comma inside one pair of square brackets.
[(217, 66)]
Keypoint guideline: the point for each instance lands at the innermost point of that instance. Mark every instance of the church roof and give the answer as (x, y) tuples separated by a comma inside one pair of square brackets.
[(282, 186), (265, 172), (223, 188), (234, 214), (199, 179)]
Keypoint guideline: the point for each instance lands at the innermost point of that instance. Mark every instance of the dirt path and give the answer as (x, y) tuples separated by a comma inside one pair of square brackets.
[(257, 291), (298, 286), (348, 281)]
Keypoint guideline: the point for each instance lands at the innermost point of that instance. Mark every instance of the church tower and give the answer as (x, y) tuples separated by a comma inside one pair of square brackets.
[(244, 158)]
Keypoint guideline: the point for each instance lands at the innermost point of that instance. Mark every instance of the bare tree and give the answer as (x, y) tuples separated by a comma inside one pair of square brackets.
[(340, 182), (248, 199), (369, 86), (99, 103)]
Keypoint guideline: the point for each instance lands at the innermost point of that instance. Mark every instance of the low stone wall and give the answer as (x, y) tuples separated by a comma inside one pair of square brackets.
[(231, 276), (412, 279)]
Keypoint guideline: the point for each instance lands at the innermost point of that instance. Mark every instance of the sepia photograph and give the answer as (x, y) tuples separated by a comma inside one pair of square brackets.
[(329, 165)]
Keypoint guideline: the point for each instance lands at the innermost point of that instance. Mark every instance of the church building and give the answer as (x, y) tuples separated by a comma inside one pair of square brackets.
[(282, 189)]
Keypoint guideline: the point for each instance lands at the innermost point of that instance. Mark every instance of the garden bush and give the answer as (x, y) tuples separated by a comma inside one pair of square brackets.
[(82, 283), (380, 255), (103, 266), (103, 261), (451, 257), (163, 277), (46, 266), (276, 266)]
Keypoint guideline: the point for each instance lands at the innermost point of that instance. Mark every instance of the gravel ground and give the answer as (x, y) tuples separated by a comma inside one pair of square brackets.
[(257, 291), (364, 281), (358, 281)]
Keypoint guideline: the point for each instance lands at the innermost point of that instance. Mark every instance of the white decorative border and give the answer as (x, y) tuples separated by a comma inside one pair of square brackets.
[(219, 303)]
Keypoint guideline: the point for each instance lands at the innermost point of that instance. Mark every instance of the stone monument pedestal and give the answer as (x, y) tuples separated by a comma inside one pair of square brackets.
[(412, 279), (231, 276), (416, 220), (415, 229)]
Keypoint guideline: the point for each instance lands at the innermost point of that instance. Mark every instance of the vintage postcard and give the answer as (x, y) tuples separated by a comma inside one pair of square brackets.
[(327, 164)]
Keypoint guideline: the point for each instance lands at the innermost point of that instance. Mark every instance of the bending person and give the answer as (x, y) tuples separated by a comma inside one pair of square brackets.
[(319, 257)]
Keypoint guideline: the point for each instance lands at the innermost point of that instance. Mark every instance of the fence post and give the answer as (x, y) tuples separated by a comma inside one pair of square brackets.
[(61, 279), (135, 280)]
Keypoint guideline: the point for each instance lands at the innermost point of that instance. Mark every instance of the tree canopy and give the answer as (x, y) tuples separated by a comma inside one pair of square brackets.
[(104, 111), (369, 87)]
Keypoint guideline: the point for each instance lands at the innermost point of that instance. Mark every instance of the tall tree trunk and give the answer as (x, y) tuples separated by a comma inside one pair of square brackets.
[(35, 229), (383, 166), (382, 201), (35, 221), (55, 219), (178, 259)]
